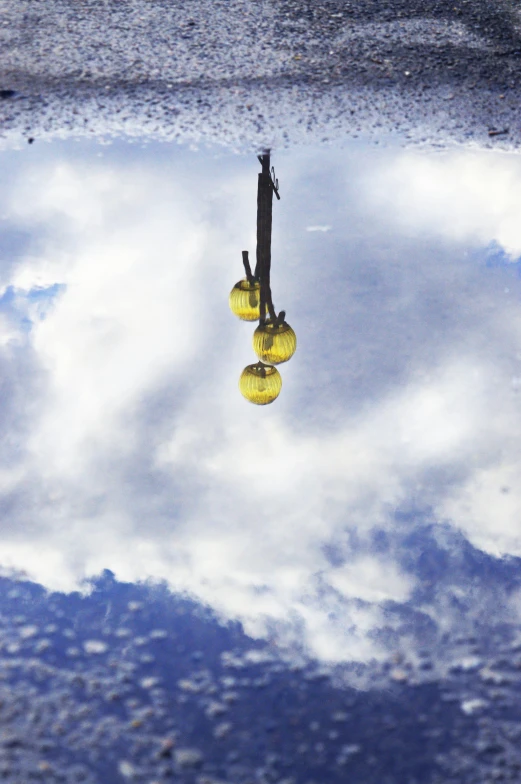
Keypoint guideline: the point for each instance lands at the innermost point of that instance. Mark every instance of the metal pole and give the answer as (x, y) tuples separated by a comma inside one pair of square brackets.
[(264, 224)]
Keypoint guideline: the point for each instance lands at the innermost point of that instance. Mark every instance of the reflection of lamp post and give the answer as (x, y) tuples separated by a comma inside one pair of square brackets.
[(245, 295), (274, 342), (250, 299), (260, 383)]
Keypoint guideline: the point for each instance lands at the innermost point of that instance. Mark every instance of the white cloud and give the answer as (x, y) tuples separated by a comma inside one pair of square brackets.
[(459, 195), (487, 507), (142, 457)]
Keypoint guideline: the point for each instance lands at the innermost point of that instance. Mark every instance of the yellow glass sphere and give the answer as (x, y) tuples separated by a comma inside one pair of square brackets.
[(260, 384), (274, 343), (245, 300)]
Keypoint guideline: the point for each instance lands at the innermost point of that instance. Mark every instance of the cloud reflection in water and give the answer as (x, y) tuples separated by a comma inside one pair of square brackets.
[(126, 445)]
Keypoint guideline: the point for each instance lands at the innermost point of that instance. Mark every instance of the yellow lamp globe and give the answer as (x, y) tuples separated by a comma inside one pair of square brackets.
[(245, 300), (260, 384), (274, 343)]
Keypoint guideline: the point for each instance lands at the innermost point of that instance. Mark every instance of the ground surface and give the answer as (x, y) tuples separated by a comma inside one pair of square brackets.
[(134, 684), (252, 73)]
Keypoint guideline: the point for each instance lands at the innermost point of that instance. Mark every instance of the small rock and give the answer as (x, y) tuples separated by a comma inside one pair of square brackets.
[(140, 641), (490, 676), (350, 749), (95, 646), (222, 730), (346, 752), (228, 681), (148, 683), (167, 745), (467, 664), (190, 686), (158, 634), (26, 632), (215, 709), (469, 707), (126, 769), (188, 758)]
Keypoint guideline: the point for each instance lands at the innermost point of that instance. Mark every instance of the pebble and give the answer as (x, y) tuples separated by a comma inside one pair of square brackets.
[(222, 730), (398, 675), (166, 747), (476, 705), (149, 683), (158, 634), (42, 645), (491, 676), (230, 696), (215, 709), (190, 686), (26, 632), (188, 758), (95, 647), (126, 769), (228, 681), (140, 641)]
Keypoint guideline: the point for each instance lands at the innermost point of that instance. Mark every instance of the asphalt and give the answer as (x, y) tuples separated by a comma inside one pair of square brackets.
[(131, 683), (253, 73)]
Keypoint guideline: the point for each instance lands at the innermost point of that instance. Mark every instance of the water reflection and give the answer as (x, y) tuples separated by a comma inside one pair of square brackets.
[(274, 341), (367, 511)]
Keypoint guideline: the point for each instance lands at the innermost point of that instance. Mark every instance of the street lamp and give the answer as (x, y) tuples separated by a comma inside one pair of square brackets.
[(245, 296), (260, 383), (274, 341)]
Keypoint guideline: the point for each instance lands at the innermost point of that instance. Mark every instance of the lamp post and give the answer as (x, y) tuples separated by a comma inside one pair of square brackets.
[(274, 341)]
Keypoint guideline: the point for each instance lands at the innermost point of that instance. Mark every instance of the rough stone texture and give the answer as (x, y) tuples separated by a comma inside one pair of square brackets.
[(250, 73), (138, 710)]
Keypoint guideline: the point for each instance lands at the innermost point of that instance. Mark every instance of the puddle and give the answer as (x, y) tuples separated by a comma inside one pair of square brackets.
[(363, 526)]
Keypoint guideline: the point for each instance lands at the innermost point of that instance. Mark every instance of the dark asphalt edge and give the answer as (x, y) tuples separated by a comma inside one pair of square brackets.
[(280, 113)]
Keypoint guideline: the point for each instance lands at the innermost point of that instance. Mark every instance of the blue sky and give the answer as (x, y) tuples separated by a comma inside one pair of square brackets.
[(127, 446)]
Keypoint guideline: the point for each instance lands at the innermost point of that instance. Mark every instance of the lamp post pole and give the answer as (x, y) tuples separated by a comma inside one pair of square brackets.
[(273, 341), (264, 223)]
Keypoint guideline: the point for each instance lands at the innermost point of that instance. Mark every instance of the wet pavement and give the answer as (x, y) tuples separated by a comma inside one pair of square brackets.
[(324, 587), (273, 73), (133, 684), (321, 589)]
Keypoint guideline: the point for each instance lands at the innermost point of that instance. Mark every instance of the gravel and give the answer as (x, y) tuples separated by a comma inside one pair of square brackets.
[(146, 712), (252, 73)]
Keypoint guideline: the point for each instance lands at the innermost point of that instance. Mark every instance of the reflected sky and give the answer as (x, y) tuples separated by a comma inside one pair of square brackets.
[(374, 506)]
